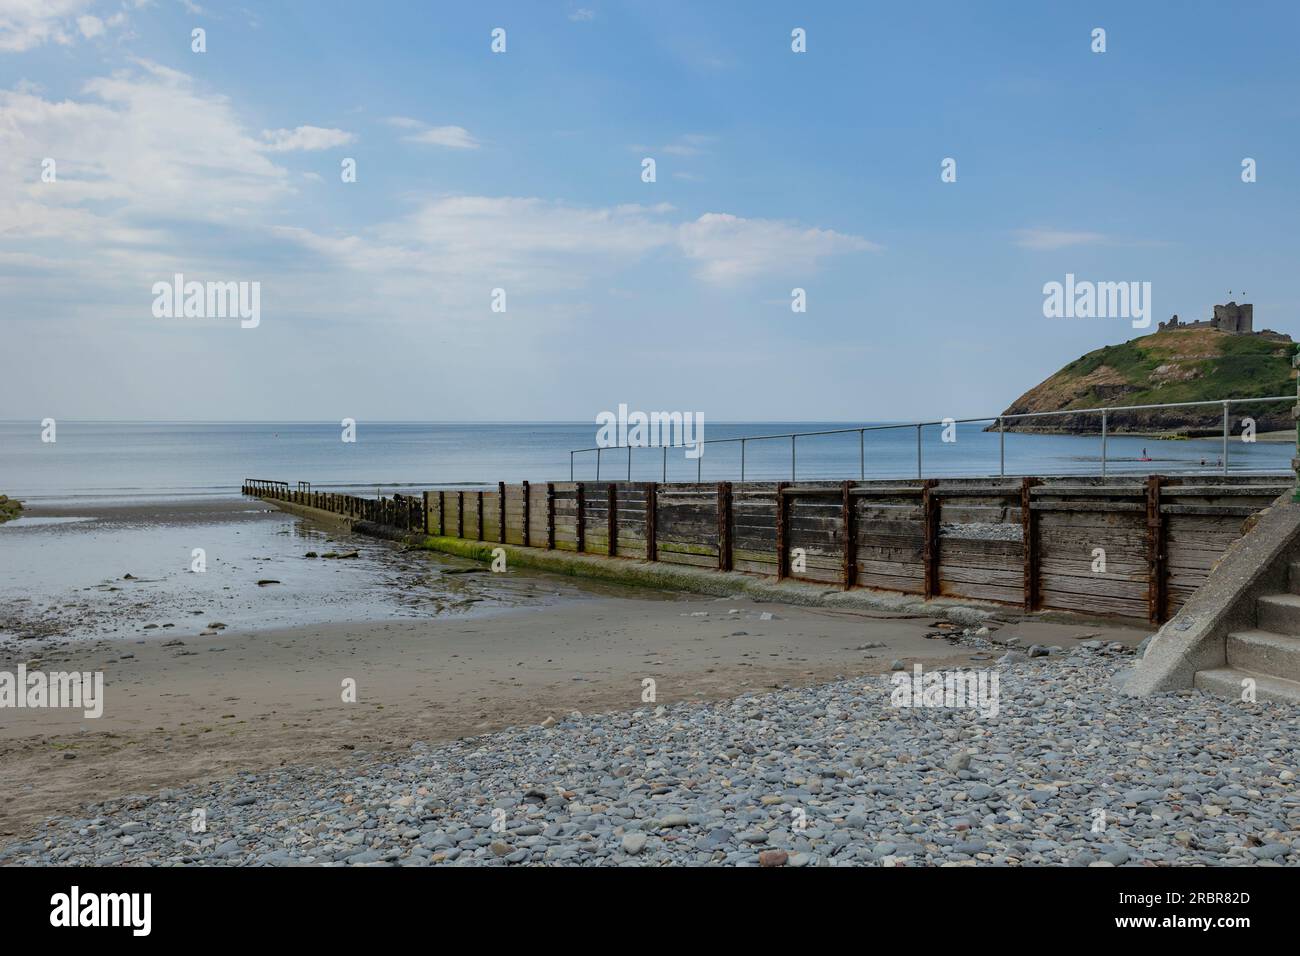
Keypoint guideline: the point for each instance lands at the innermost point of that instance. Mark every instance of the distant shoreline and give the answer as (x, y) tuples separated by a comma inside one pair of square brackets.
[(1272, 437)]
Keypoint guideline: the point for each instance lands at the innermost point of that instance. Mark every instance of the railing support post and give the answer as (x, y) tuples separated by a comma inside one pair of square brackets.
[(1002, 448), (1103, 444), (1226, 429)]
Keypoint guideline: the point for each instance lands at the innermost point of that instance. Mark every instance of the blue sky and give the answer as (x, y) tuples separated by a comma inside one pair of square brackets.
[(522, 171)]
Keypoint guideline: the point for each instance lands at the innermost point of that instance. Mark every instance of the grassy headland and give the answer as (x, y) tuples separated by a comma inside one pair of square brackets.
[(1174, 365)]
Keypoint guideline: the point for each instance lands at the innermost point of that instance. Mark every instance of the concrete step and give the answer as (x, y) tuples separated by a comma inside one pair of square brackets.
[(1263, 652), (1226, 682), (1279, 613)]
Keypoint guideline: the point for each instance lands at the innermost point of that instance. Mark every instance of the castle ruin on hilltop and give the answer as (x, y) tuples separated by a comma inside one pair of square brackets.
[(1233, 318)]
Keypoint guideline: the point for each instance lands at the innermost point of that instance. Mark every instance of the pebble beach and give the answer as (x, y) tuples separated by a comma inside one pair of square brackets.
[(1068, 773)]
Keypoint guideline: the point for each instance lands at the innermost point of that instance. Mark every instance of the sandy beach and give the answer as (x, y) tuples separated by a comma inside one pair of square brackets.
[(184, 706)]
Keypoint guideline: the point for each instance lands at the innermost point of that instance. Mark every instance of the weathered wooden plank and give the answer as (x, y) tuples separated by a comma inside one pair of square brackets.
[(1233, 511), (1089, 491), (1078, 507), (668, 556)]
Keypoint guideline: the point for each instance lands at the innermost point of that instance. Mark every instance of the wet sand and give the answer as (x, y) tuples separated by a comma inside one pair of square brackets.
[(120, 570), (534, 646)]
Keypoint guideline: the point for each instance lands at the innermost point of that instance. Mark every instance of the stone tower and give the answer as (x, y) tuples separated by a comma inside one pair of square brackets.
[(1238, 319)]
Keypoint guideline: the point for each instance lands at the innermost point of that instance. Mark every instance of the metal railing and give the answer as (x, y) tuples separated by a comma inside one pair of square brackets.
[(862, 430)]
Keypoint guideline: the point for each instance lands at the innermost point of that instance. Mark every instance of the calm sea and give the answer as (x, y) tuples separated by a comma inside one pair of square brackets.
[(169, 459)]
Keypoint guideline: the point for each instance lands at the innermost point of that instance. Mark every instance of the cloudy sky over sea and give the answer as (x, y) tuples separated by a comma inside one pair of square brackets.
[(522, 170)]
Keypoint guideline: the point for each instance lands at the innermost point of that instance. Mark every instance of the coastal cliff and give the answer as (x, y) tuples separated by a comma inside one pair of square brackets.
[(1175, 364)]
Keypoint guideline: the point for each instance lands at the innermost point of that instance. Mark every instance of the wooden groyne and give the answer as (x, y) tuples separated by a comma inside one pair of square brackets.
[(1126, 547)]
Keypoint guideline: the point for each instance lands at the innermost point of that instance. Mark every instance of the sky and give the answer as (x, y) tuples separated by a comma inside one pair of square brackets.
[(523, 171)]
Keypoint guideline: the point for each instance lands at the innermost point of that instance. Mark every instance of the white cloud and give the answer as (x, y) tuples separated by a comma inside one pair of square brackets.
[(90, 26), (305, 138), (691, 144), (454, 248), (145, 160), (157, 174), (582, 15), (27, 24), (441, 258), (1049, 239), (728, 248), (453, 137)]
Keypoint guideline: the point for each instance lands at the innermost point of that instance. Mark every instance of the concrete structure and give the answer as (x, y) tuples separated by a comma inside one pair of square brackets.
[(1239, 634), (1241, 629)]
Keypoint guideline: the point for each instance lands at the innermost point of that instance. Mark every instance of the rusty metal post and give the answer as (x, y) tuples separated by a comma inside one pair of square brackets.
[(581, 497), (611, 532), (849, 526), (1157, 572), (527, 506), (724, 526), (782, 529), (651, 521), (550, 515)]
